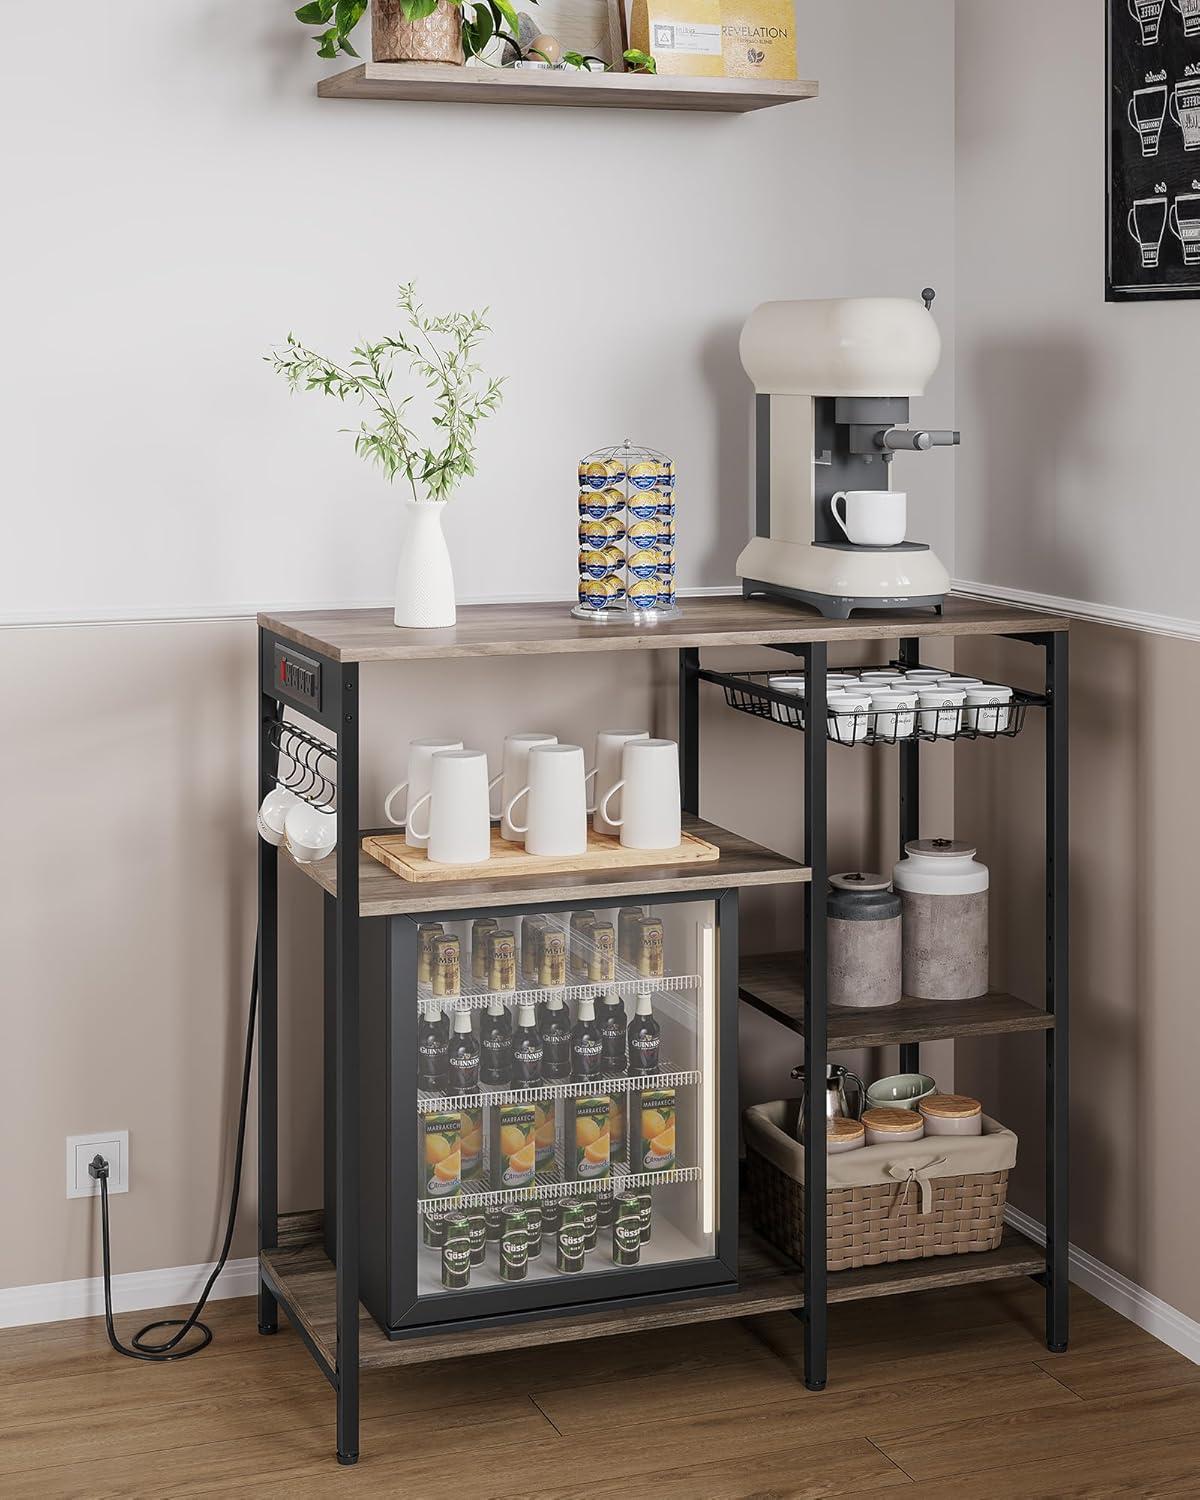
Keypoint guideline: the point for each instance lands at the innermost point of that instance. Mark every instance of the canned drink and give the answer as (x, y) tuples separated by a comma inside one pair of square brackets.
[(456, 1255), (447, 969), (645, 1215), (426, 933), (433, 1230), (643, 594), (650, 947), (531, 946), (593, 475), (596, 564), (606, 1211), (514, 1246), (534, 1228), (628, 919), (602, 960), (493, 1219), (593, 594), (627, 1231), (552, 968), (501, 959), (643, 506), (581, 921), (480, 929), (570, 1240), (643, 534), (477, 1230), (551, 1213), (644, 564), (643, 475), (591, 1218)]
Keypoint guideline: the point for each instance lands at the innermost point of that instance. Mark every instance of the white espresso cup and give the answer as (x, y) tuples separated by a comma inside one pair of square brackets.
[(515, 772), (872, 518), (610, 745), (650, 800), (459, 826), (557, 811), (311, 832), (420, 760)]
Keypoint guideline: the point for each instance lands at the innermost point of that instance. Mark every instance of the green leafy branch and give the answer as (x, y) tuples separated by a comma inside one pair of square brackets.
[(440, 352)]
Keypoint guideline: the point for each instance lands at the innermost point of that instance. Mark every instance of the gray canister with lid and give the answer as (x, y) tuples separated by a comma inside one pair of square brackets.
[(864, 941), (944, 890)]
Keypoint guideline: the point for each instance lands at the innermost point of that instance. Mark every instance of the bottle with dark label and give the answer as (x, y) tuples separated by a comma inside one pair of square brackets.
[(463, 1055), (433, 1042), (612, 1034), (495, 1045), (556, 1041), (587, 1048), (644, 1036), (527, 1048)]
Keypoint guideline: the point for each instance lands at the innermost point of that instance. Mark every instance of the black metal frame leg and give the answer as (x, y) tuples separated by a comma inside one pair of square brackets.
[(910, 818), (689, 730), (1057, 994), (346, 1065), (815, 1018), (268, 1019)]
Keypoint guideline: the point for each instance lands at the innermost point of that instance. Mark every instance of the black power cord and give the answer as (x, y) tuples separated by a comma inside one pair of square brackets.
[(161, 1353)]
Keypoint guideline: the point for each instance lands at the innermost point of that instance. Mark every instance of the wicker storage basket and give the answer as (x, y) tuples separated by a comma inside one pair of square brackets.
[(918, 1207)]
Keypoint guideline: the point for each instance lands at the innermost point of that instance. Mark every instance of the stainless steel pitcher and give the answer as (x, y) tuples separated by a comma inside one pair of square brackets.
[(836, 1102)]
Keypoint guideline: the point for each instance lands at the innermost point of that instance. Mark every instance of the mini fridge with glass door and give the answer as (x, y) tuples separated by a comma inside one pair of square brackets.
[(548, 1109)]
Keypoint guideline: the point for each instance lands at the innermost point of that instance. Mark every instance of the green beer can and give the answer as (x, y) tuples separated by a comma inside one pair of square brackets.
[(606, 1210), (645, 1209), (477, 1229), (571, 1237), (433, 1230), (456, 1254), (591, 1218), (534, 1228), (514, 1246), (627, 1231)]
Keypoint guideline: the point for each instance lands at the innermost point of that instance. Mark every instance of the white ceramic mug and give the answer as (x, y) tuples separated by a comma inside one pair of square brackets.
[(557, 811), (516, 772), (420, 759), (610, 744), (311, 832), (650, 802), (459, 827), (272, 814), (872, 518)]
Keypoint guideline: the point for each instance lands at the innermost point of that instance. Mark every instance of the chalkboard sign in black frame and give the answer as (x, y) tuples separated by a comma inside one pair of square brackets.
[(1147, 165)]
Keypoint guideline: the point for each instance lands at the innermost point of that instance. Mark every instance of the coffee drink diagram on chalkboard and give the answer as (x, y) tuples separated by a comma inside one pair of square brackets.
[(1153, 150)]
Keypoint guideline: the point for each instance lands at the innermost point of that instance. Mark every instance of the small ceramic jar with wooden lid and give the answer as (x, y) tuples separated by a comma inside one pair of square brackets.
[(844, 1135), (892, 1127), (951, 1114)]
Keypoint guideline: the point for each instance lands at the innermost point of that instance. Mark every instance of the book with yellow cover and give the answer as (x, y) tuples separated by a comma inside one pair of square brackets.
[(683, 36), (758, 38)]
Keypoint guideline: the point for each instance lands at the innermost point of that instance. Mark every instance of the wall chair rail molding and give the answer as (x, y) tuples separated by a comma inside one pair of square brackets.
[(1179, 626), (132, 1291), (1134, 1302)]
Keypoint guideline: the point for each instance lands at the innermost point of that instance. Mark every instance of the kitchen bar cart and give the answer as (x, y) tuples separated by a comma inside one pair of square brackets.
[(364, 1251)]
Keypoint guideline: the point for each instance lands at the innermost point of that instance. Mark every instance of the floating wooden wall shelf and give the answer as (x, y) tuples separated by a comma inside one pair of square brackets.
[(436, 82)]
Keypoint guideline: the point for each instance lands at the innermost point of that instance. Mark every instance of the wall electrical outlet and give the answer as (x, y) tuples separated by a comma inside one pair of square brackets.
[(113, 1146)]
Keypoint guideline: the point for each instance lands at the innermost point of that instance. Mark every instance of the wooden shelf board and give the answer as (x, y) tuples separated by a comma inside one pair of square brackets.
[(773, 983), (550, 629), (443, 83), (769, 1282), (742, 863)]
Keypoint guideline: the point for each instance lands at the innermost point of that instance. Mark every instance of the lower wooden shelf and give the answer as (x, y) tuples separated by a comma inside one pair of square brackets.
[(773, 983), (304, 1279)]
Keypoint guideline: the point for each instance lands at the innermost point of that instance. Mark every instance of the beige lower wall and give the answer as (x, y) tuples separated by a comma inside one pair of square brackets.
[(1135, 1020), (127, 923)]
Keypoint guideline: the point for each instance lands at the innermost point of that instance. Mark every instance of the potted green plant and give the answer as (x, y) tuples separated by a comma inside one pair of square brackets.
[(412, 30), (440, 353)]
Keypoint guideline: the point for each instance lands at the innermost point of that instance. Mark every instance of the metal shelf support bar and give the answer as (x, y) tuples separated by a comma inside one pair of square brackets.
[(910, 818), (815, 1021), (1057, 992)]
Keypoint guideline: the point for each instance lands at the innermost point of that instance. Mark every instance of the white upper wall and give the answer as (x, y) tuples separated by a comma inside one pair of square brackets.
[(1077, 474), (179, 200)]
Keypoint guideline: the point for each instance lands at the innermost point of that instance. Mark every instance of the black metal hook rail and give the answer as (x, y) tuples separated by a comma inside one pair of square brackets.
[(307, 780)]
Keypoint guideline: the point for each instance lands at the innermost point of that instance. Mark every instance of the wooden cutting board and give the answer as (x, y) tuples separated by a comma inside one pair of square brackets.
[(603, 853)]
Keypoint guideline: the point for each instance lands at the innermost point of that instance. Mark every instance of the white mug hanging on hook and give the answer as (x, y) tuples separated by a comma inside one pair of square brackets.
[(626, 535)]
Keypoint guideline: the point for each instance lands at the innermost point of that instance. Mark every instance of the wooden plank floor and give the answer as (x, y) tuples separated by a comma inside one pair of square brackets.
[(936, 1395)]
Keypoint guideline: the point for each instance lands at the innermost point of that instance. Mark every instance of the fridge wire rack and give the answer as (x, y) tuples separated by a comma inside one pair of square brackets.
[(751, 693), (550, 1185), (431, 1103)]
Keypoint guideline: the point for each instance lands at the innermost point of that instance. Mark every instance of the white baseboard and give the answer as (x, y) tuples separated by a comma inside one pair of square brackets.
[(133, 1291), (1141, 1307), (1180, 627)]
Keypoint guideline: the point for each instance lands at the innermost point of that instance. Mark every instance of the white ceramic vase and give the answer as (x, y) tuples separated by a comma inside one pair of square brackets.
[(424, 577)]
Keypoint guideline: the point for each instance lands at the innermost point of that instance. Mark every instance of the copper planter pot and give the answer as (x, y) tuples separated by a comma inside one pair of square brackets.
[(435, 39)]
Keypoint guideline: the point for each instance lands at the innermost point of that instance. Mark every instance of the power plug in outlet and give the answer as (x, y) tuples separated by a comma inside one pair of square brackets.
[(113, 1146)]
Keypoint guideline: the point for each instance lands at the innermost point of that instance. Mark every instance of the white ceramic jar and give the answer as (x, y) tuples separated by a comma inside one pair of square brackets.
[(951, 1114), (842, 1134), (892, 1127), (944, 893)]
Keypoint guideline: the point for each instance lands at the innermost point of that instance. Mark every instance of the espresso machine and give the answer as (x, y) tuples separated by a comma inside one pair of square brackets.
[(833, 380)]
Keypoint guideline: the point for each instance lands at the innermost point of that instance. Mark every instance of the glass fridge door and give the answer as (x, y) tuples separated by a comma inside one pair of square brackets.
[(569, 1107)]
